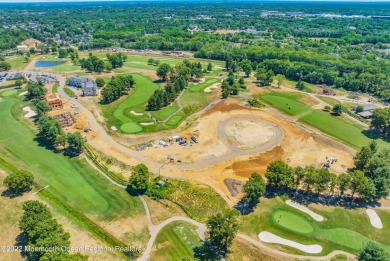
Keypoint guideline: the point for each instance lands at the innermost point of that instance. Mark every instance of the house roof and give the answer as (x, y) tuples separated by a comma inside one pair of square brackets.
[(370, 107), (365, 114)]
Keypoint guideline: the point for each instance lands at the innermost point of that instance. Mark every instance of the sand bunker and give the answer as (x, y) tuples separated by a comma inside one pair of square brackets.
[(146, 123), (249, 134), (210, 88), (136, 113), (271, 238), (302, 208), (114, 128), (30, 113), (374, 218), (23, 93)]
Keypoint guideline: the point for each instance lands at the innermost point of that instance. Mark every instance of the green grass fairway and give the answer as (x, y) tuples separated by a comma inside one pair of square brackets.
[(342, 229), (201, 86), (165, 112), (70, 179), (17, 62), (176, 242), (292, 222), (174, 121), (8, 93), (332, 125)]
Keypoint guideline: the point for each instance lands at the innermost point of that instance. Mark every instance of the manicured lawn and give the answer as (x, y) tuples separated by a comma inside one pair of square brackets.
[(66, 67), (55, 88), (200, 87), (342, 229), (176, 241), (70, 179), (69, 92), (332, 125)]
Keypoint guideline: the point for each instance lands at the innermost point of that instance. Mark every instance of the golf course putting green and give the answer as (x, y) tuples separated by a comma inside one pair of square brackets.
[(292, 221), (131, 127), (8, 93)]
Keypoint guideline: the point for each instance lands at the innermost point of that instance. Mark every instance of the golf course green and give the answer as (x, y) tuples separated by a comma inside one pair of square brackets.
[(292, 222), (8, 93)]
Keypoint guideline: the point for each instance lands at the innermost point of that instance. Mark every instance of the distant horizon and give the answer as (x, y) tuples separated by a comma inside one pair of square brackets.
[(203, 1)]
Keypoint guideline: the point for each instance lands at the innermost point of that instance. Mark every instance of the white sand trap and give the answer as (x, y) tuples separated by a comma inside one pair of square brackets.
[(30, 113), (374, 218), (114, 128), (23, 93), (136, 113), (271, 238), (305, 209), (146, 123), (210, 88)]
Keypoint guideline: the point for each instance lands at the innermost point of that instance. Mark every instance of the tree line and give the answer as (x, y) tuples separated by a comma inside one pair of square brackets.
[(95, 64), (43, 231), (116, 87), (381, 121)]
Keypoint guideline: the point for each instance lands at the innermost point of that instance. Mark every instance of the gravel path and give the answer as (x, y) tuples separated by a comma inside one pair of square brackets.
[(302, 208), (271, 238), (374, 218)]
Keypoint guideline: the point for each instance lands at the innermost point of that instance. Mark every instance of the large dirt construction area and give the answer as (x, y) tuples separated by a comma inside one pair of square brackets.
[(224, 133)]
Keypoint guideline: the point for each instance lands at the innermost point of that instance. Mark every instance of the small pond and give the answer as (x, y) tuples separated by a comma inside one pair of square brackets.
[(45, 64)]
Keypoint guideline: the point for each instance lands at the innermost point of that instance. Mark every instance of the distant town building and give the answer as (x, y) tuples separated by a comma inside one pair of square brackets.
[(22, 47)]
